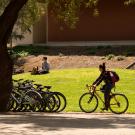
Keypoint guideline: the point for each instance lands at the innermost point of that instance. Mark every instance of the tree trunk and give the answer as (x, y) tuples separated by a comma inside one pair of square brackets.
[(7, 21), (5, 78)]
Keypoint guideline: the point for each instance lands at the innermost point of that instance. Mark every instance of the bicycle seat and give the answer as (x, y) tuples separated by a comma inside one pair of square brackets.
[(28, 81), (17, 80), (38, 85), (48, 87)]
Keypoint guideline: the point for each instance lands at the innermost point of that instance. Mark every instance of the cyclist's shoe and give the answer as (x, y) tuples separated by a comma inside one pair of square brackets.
[(105, 108)]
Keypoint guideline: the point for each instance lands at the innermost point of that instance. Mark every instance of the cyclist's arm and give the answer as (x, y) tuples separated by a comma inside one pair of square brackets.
[(98, 80)]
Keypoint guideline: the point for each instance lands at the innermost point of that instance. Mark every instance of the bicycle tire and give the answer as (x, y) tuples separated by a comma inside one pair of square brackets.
[(118, 103), (32, 100), (57, 102), (62, 102), (11, 106), (16, 97), (88, 102), (48, 102)]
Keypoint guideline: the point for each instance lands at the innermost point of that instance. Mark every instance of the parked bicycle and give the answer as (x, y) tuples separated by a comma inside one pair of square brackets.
[(88, 102), (54, 100), (23, 97), (28, 96)]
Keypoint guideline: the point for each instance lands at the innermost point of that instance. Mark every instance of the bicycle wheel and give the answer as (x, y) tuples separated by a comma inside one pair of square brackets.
[(57, 102), (16, 101), (88, 103), (11, 106), (32, 101), (61, 101), (118, 103), (48, 102)]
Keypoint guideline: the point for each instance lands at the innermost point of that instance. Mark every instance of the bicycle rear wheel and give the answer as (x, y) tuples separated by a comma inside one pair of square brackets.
[(88, 103), (118, 103), (61, 102), (57, 102), (48, 102)]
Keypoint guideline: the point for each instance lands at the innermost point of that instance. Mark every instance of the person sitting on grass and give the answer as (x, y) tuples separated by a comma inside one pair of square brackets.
[(45, 66)]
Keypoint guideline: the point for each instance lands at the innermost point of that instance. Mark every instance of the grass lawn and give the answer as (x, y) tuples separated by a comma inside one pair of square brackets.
[(71, 82)]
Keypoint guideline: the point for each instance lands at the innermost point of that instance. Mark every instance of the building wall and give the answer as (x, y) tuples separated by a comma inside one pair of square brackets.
[(39, 31), (115, 22), (28, 39)]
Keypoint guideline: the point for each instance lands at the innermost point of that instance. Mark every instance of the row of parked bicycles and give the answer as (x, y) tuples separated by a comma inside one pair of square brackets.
[(29, 96)]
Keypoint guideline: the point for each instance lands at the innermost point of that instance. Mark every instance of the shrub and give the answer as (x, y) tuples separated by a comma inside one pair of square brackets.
[(110, 56), (108, 47), (92, 52), (120, 58), (100, 47)]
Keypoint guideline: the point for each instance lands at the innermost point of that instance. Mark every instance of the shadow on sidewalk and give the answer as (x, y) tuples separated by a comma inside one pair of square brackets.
[(56, 122)]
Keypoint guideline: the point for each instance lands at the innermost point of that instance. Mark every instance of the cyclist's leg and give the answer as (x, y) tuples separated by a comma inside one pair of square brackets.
[(102, 89), (108, 88)]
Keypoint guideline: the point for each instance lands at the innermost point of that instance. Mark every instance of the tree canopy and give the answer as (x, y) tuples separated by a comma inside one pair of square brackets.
[(65, 10), (29, 14)]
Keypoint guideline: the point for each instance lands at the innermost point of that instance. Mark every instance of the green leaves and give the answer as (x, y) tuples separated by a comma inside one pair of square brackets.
[(66, 11), (129, 2), (92, 3), (3, 4), (30, 13)]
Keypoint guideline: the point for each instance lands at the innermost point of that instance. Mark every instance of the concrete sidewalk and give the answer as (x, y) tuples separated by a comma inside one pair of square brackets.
[(66, 124)]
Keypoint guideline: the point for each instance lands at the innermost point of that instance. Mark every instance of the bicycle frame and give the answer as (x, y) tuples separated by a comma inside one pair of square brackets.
[(93, 90), (99, 97)]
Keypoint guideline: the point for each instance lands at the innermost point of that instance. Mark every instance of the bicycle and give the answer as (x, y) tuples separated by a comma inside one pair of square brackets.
[(28, 96), (56, 102), (23, 98), (88, 102)]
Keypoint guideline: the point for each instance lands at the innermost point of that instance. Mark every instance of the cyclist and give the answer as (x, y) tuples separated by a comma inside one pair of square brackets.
[(109, 84)]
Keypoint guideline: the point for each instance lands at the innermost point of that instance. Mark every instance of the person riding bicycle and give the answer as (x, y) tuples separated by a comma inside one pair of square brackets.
[(109, 84)]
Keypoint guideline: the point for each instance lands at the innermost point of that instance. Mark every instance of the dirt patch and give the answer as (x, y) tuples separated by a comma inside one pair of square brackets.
[(65, 62), (76, 56)]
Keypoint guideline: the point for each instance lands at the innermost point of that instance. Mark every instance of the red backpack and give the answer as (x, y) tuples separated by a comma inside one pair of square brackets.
[(114, 76)]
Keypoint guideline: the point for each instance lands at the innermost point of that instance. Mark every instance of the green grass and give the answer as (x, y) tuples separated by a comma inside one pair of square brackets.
[(71, 82)]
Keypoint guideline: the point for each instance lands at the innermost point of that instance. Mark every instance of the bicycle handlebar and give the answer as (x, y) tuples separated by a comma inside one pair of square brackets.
[(91, 88)]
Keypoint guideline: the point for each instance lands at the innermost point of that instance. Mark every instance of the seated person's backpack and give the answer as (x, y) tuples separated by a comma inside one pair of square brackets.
[(34, 71), (114, 76)]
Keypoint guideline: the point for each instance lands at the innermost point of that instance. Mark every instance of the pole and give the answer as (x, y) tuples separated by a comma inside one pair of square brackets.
[(46, 22)]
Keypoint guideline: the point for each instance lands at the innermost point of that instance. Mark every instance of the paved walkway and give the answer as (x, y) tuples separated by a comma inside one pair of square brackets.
[(66, 124)]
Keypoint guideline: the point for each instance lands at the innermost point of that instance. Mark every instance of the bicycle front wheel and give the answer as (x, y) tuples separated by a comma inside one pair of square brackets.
[(32, 101), (118, 103), (88, 103)]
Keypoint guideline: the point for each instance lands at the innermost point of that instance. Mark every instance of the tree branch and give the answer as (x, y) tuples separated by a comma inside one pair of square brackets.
[(9, 17)]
